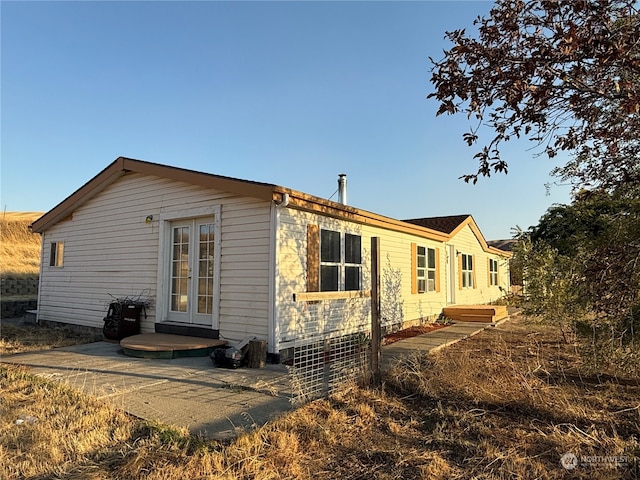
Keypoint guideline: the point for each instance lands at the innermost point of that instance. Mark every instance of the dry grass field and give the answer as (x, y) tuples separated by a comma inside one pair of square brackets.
[(30, 338), (19, 248), (507, 403)]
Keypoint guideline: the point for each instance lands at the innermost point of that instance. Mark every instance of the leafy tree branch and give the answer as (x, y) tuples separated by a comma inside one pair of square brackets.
[(564, 74)]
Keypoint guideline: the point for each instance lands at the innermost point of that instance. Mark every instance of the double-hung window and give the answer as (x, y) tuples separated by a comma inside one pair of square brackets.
[(493, 272), (340, 261), (467, 271), (425, 266), (426, 269)]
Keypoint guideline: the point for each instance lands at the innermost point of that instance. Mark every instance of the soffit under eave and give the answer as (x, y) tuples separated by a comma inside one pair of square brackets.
[(245, 188), (502, 253), (304, 202), (122, 165)]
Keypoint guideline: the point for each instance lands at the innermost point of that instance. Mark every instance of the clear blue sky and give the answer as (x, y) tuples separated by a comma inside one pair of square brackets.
[(290, 93)]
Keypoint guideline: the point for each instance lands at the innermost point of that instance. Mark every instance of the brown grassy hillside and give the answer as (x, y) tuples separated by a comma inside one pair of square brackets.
[(19, 248)]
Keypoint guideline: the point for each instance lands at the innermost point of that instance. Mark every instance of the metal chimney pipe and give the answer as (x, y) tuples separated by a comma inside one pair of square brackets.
[(342, 188)]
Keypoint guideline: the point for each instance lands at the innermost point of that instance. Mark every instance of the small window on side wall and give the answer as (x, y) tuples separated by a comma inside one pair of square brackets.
[(493, 272), (330, 247), (340, 261), (426, 269), (467, 271), (57, 254)]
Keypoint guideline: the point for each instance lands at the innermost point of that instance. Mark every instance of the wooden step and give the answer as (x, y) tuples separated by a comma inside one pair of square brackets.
[(476, 313), (476, 318), (165, 345)]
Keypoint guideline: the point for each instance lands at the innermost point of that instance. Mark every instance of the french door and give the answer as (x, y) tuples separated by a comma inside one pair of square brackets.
[(192, 282)]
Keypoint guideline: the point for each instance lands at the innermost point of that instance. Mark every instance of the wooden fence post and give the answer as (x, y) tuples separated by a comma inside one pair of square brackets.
[(376, 337)]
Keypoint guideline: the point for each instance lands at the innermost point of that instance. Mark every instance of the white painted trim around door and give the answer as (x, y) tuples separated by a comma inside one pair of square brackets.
[(164, 258)]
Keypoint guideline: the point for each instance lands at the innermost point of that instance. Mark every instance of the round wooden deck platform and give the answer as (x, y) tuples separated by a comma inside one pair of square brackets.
[(164, 345)]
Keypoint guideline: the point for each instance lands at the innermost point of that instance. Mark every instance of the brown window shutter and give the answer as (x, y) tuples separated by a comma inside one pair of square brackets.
[(414, 266), (473, 270), (437, 269), (313, 258), (459, 271)]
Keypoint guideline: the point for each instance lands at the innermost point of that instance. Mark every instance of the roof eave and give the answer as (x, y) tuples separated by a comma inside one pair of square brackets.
[(497, 251), (479, 236), (106, 177), (123, 165), (264, 191), (310, 203)]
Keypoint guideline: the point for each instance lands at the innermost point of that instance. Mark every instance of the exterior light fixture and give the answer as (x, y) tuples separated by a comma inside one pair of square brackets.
[(149, 219)]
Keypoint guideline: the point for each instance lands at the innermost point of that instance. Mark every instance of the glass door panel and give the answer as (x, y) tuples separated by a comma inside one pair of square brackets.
[(180, 271), (191, 272), (205, 269)]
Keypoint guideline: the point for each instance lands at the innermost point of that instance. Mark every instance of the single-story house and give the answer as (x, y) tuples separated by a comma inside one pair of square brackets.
[(229, 258)]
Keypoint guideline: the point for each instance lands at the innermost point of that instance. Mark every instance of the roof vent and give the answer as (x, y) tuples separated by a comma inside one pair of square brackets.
[(342, 188)]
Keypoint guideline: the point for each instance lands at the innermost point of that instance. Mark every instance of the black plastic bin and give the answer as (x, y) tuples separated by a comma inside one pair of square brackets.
[(122, 320)]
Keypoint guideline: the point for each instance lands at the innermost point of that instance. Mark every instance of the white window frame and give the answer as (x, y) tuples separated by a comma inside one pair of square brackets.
[(424, 269), (467, 271), (164, 257), (493, 272), (342, 264)]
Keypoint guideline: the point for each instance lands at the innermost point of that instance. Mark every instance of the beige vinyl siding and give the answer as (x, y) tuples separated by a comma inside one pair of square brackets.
[(244, 269), (111, 251), (299, 320), (466, 242), (399, 305)]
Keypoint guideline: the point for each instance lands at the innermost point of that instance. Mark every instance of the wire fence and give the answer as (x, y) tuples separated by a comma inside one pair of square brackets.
[(332, 347)]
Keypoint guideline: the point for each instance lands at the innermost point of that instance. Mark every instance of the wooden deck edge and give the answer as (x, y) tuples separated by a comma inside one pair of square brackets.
[(164, 342)]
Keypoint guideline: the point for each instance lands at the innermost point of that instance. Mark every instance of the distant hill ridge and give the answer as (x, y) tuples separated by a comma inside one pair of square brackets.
[(19, 247), (19, 216)]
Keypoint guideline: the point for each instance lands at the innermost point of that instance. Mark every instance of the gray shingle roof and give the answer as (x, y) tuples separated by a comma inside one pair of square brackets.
[(445, 224)]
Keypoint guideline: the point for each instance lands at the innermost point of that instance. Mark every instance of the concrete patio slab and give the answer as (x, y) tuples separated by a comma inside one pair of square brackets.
[(188, 392), (191, 392), (429, 342)]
